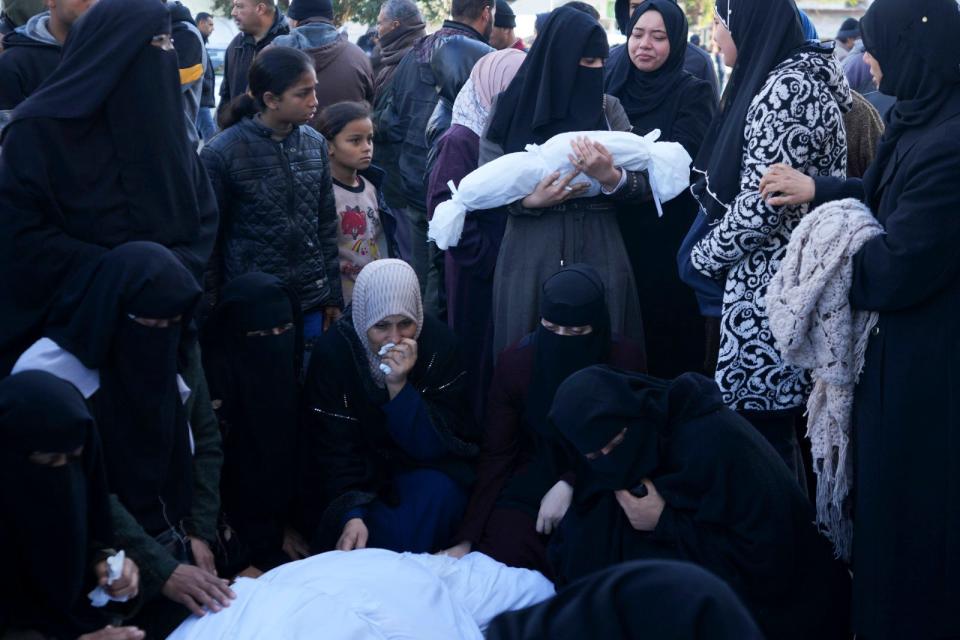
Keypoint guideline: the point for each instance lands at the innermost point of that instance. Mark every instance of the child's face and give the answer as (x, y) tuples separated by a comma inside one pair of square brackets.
[(298, 104), (353, 147)]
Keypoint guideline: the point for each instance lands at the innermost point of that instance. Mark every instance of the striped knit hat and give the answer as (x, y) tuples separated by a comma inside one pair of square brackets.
[(385, 288)]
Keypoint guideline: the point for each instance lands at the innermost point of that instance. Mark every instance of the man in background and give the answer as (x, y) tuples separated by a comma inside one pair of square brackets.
[(259, 21), (32, 51), (343, 69), (208, 98), (504, 28)]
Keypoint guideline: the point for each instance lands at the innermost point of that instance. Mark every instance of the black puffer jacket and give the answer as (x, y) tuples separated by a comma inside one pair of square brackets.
[(278, 213)]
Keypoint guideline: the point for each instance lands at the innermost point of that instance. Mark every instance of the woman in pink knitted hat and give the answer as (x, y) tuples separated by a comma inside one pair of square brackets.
[(387, 439)]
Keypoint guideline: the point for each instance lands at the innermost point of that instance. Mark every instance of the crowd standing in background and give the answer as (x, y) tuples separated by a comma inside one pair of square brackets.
[(228, 347)]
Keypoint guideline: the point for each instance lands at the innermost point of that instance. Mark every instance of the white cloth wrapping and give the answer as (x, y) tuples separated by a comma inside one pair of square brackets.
[(372, 593), (816, 328), (515, 175)]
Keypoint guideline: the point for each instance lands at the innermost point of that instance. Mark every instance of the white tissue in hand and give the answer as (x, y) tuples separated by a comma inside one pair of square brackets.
[(515, 175), (385, 348), (99, 596), (386, 370)]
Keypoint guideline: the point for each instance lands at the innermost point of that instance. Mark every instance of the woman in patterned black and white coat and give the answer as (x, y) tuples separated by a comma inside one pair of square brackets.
[(785, 103)]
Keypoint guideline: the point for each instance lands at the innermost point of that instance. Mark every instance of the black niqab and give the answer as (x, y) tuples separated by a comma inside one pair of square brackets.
[(109, 71), (138, 408), (551, 92), (641, 92), (766, 33), (54, 518), (640, 599), (918, 51), (573, 297), (255, 379)]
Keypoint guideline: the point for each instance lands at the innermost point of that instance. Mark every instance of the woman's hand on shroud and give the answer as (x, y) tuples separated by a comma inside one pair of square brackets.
[(553, 190), (457, 551), (593, 159), (195, 589), (643, 513), (115, 633), (294, 545), (354, 535)]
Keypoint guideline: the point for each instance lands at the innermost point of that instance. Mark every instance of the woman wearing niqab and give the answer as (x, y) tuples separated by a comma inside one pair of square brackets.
[(56, 517), (95, 158), (554, 93), (729, 504), (251, 343)]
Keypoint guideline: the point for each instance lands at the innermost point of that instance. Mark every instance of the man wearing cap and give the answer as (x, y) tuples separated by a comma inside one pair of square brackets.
[(504, 24), (343, 69), (847, 37)]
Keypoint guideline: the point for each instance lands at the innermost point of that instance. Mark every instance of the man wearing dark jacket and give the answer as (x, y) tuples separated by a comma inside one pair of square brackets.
[(32, 51), (208, 98), (343, 69), (414, 96), (259, 21)]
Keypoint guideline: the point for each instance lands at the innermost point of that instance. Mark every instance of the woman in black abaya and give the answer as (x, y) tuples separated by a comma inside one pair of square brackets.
[(56, 517), (657, 93), (524, 479), (251, 345), (717, 494), (906, 430), (118, 340), (98, 156), (559, 89)]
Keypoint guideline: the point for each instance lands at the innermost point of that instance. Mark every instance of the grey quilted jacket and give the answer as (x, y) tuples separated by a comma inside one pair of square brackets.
[(277, 210)]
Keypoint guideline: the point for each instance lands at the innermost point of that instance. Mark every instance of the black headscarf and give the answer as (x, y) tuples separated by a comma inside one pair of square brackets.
[(594, 407), (731, 504), (54, 518), (640, 599), (255, 378), (573, 297), (551, 92), (918, 50), (138, 406), (641, 92), (110, 71), (766, 33)]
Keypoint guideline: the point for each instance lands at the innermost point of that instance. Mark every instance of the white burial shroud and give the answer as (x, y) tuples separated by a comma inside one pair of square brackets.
[(372, 594), (515, 175)]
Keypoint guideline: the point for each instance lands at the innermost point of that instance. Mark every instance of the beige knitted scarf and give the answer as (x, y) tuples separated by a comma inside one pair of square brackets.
[(815, 328)]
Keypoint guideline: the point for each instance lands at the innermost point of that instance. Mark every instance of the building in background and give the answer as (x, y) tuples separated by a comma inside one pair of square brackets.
[(827, 15)]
